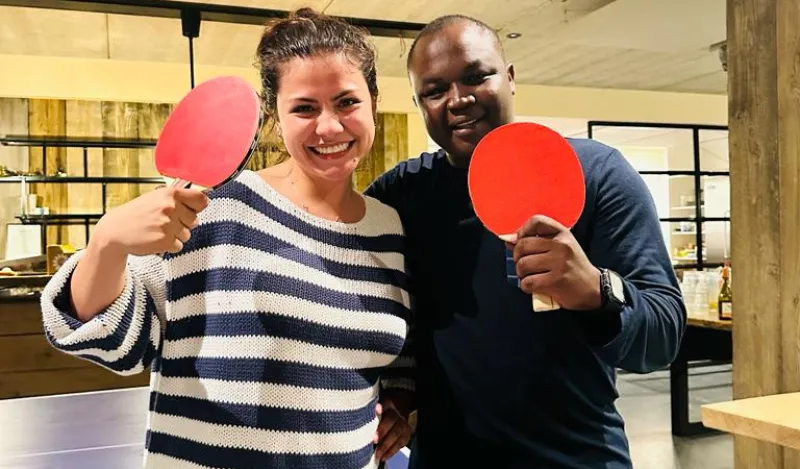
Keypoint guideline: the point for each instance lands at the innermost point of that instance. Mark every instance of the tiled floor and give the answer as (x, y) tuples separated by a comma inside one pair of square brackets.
[(52, 435), (645, 405)]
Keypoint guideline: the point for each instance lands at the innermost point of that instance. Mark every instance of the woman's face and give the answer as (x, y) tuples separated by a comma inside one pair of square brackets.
[(326, 115)]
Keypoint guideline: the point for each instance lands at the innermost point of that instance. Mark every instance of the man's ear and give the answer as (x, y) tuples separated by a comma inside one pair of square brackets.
[(510, 75)]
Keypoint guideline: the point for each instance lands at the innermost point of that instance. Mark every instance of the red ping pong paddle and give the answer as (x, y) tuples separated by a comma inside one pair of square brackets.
[(520, 170), (211, 134)]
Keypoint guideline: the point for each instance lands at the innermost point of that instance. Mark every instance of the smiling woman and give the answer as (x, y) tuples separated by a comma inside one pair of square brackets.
[(276, 324)]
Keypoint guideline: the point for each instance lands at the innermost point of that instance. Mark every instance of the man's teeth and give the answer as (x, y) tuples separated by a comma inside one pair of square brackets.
[(332, 149)]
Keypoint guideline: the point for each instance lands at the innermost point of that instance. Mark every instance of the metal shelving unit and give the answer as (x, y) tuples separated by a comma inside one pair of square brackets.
[(85, 219)]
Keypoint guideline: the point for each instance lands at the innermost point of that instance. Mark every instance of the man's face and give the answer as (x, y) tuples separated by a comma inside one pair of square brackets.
[(462, 86)]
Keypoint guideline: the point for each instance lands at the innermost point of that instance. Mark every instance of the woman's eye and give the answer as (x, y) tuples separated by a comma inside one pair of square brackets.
[(347, 102)]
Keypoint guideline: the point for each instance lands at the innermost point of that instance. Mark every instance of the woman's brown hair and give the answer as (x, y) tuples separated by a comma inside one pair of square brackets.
[(307, 33)]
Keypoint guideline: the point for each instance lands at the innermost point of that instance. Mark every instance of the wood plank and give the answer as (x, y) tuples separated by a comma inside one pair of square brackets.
[(395, 140), (84, 119), (48, 117), (764, 121), (772, 419), (390, 147), (120, 120), (152, 118), (34, 353), (50, 382), (368, 167), (20, 317), (14, 121), (710, 323)]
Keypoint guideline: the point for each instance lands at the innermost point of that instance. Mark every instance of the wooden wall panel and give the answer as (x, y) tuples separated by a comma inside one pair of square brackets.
[(390, 147), (395, 140), (83, 120), (152, 118), (270, 149), (120, 120), (48, 117), (13, 120)]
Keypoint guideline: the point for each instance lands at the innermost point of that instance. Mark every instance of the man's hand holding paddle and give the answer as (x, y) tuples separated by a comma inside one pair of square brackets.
[(550, 262), (527, 175)]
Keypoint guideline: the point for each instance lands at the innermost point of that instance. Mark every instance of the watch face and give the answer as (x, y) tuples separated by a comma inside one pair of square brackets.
[(617, 288)]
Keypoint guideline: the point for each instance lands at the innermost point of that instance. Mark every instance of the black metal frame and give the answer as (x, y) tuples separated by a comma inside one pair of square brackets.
[(208, 12), (700, 347), (696, 173), (85, 219)]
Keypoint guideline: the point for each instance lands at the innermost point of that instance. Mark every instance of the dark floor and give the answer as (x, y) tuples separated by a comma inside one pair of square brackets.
[(645, 405), (44, 433)]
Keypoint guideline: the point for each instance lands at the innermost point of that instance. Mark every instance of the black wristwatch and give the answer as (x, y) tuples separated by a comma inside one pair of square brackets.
[(612, 291)]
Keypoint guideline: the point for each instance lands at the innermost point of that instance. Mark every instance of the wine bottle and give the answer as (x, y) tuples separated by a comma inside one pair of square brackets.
[(725, 299)]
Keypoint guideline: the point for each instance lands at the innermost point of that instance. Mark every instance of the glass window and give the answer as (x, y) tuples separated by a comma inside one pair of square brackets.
[(714, 154), (650, 148)]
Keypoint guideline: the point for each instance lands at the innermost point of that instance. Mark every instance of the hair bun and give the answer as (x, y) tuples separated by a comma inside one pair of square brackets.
[(306, 12)]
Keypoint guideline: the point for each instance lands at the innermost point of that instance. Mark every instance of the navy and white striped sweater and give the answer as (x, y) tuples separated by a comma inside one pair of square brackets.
[(268, 337)]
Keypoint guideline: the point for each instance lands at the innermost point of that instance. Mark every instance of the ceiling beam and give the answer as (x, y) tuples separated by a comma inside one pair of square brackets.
[(208, 12)]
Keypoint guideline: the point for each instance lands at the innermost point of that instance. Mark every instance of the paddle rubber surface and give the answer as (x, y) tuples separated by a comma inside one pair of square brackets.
[(524, 169), (211, 134)]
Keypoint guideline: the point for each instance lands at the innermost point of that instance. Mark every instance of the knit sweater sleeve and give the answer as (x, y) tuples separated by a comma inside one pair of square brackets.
[(123, 338)]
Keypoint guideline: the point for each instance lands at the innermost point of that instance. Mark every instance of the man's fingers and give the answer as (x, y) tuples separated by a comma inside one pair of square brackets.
[(531, 246), (387, 422), (540, 283), (387, 443), (540, 225), (393, 450)]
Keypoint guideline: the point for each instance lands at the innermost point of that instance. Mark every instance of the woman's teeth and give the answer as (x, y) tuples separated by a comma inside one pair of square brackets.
[(327, 150)]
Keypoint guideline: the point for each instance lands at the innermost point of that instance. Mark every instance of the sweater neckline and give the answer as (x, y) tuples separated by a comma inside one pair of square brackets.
[(264, 189)]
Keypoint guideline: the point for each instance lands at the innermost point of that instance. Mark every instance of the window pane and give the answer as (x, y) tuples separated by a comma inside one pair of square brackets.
[(716, 196), (713, 150), (717, 240), (650, 148)]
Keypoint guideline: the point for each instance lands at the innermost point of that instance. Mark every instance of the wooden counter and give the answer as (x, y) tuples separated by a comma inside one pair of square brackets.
[(773, 419), (30, 366), (710, 323)]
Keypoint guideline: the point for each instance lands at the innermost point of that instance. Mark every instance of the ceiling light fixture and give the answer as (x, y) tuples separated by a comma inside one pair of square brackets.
[(513, 35)]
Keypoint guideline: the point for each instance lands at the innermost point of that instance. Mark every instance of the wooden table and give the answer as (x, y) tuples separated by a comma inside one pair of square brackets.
[(707, 342), (710, 323), (773, 419)]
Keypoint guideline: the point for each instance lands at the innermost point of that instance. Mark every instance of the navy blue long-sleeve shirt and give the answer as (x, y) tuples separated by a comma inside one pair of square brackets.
[(501, 386)]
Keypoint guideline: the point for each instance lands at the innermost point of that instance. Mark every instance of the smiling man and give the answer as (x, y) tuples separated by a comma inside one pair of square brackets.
[(500, 385)]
